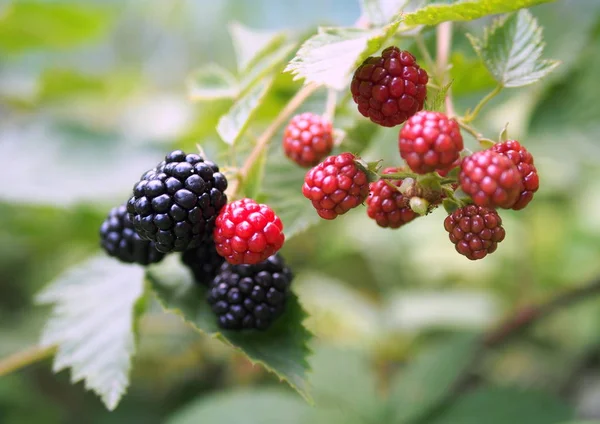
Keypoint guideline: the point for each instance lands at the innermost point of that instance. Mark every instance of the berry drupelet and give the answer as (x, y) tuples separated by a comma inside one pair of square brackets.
[(307, 139), (386, 205)]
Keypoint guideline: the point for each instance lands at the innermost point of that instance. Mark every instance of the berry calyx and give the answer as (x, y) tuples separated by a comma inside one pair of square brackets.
[(203, 261), (390, 88), (430, 141), (475, 231), (491, 179), (247, 232), (250, 296), (524, 162), (336, 185), (119, 239), (307, 139), (386, 205)]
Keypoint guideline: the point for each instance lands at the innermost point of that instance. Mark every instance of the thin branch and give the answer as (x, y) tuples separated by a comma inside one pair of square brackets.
[(330, 104), (472, 115), (476, 134), (26, 357), (263, 140)]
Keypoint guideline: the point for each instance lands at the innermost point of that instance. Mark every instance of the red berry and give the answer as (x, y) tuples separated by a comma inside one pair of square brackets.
[(524, 162), (429, 141), (386, 205), (389, 88), (336, 185), (475, 231), (247, 232), (491, 179), (308, 138)]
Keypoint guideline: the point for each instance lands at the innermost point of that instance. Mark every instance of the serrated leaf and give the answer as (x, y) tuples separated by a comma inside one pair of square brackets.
[(92, 323), (331, 55), (251, 45), (465, 11), (211, 82), (282, 349), (232, 125), (505, 405), (380, 12), (427, 380), (27, 25), (511, 49), (437, 101)]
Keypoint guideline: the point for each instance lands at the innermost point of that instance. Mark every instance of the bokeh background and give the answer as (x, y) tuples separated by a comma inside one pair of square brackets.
[(93, 92)]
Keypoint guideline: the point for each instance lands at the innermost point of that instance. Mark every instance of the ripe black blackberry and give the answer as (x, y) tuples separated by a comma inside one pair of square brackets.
[(203, 261), (250, 296), (176, 203), (119, 239)]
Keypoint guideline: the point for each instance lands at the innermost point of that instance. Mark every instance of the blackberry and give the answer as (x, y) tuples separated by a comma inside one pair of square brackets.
[(119, 239), (250, 296), (176, 204), (203, 261)]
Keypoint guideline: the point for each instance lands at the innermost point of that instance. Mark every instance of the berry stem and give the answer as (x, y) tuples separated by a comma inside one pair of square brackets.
[(476, 134), (24, 358), (263, 140), (398, 176), (473, 114)]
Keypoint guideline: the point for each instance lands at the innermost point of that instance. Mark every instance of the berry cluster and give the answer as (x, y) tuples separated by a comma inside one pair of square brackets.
[(391, 89), (180, 205)]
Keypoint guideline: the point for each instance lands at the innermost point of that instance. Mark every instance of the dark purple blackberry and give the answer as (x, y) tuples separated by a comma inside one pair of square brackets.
[(203, 261), (176, 203), (250, 296), (119, 239)]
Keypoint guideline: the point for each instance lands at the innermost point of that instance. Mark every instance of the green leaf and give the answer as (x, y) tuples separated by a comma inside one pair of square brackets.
[(211, 82), (469, 75), (438, 100), (251, 45), (27, 25), (253, 182), (232, 125), (330, 56), (425, 383), (92, 323), (381, 12), (511, 49), (282, 349), (283, 191), (248, 406), (505, 405), (266, 65), (465, 10)]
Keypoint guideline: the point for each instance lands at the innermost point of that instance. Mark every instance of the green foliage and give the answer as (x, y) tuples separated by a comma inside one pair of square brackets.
[(465, 10), (437, 101), (282, 349), (29, 25), (95, 339), (469, 75), (252, 45), (378, 12), (505, 405), (511, 49), (211, 82)]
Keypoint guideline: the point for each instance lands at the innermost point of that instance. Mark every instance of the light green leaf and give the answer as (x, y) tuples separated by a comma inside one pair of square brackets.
[(330, 56), (265, 65), (469, 75), (426, 381), (465, 10), (27, 25), (248, 406), (381, 12), (253, 181), (505, 405), (232, 125), (282, 349), (211, 82), (92, 323), (582, 422), (511, 49), (251, 45), (437, 101)]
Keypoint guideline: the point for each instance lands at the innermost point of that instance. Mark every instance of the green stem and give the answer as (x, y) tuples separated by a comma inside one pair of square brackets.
[(24, 358), (398, 176), (472, 115), (476, 134)]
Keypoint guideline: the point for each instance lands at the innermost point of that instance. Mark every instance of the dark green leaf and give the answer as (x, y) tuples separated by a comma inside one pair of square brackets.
[(505, 405), (511, 49), (282, 349), (92, 323), (211, 82)]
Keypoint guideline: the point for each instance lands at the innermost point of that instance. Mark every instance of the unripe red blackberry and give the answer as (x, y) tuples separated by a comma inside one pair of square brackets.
[(475, 231), (389, 88), (336, 185), (247, 232), (307, 139), (524, 162), (429, 141), (386, 205), (491, 179)]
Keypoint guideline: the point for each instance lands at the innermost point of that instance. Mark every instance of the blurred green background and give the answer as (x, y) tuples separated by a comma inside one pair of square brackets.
[(91, 93)]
